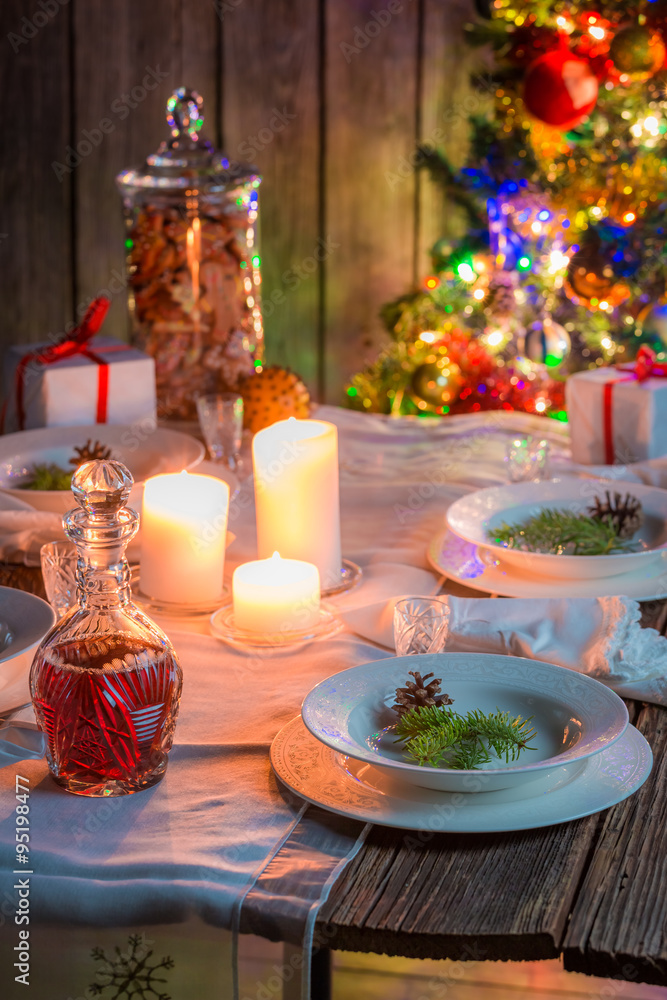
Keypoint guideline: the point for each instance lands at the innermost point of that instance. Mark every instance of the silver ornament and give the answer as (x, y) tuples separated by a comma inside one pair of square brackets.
[(546, 343)]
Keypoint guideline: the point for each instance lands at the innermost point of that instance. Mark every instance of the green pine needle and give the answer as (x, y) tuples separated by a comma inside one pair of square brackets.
[(439, 736), (48, 477), (560, 532)]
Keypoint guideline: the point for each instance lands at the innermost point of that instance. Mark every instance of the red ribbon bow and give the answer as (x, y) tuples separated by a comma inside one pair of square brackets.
[(74, 343), (644, 367)]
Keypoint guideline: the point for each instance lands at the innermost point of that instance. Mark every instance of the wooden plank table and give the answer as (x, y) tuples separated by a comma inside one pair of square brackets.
[(593, 891)]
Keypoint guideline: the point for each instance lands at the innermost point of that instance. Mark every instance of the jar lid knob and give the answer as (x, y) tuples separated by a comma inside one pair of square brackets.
[(185, 117), (102, 487)]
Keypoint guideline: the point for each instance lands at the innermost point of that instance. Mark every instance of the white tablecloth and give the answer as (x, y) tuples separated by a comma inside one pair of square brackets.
[(194, 843)]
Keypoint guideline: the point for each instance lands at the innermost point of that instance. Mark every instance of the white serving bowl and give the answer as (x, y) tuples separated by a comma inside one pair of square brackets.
[(574, 716), (146, 452), (24, 621), (475, 516)]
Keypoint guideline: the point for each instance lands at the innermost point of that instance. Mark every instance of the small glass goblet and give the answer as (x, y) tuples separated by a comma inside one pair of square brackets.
[(59, 560), (421, 625), (527, 460), (221, 421)]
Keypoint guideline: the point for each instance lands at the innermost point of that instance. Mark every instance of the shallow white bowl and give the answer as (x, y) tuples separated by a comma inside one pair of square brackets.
[(24, 621), (574, 716), (475, 516), (146, 452)]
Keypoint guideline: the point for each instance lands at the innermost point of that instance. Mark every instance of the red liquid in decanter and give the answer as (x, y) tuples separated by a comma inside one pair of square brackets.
[(108, 707)]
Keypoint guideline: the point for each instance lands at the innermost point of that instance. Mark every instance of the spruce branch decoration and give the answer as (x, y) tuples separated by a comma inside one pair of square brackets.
[(559, 532), (436, 736)]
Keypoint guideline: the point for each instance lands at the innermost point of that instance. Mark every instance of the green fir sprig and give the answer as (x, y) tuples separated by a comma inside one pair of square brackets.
[(560, 532), (48, 477), (439, 736)]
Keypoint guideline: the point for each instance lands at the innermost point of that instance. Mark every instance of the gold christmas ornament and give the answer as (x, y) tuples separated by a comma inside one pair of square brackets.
[(637, 51), (591, 280), (437, 382), (273, 394)]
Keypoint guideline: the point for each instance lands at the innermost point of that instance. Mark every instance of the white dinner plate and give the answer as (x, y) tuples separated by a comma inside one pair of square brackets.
[(474, 567), (358, 791), (574, 716), (477, 515), (24, 621)]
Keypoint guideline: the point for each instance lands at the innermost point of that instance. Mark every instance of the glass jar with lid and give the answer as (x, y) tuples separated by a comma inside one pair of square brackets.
[(193, 262)]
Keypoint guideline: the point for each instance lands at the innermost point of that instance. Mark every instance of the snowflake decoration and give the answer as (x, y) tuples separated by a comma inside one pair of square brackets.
[(128, 973)]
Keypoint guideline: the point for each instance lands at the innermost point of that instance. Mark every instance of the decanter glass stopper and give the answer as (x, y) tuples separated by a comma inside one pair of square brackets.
[(102, 487)]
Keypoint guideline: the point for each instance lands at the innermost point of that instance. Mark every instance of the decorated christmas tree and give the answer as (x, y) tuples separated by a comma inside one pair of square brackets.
[(564, 264)]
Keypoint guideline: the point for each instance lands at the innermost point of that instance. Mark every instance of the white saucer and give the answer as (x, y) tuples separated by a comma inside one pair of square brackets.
[(474, 567), (354, 789)]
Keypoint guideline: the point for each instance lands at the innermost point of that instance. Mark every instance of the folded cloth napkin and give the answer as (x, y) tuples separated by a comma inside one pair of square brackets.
[(20, 738), (599, 636), (23, 532)]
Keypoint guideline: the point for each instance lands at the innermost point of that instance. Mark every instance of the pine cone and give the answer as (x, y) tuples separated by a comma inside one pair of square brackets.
[(625, 513), (89, 452), (418, 694)]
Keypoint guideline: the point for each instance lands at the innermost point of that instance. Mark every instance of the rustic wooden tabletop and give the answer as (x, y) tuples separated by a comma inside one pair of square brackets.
[(593, 890)]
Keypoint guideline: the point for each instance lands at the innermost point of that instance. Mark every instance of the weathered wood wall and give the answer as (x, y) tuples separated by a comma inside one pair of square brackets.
[(357, 84)]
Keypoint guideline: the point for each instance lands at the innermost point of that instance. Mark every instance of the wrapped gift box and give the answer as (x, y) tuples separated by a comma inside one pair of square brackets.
[(76, 389), (615, 418)]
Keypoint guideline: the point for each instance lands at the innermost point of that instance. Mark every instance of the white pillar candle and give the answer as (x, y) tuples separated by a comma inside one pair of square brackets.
[(274, 595), (183, 535), (296, 494)]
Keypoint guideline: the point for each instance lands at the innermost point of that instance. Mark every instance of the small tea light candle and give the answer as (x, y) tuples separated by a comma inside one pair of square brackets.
[(273, 595), (183, 537), (296, 493)]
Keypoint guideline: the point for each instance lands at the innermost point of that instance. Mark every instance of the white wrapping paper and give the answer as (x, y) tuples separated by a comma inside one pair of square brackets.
[(638, 416), (64, 393)]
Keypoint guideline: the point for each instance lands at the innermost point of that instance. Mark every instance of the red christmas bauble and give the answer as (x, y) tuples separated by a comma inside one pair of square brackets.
[(560, 89)]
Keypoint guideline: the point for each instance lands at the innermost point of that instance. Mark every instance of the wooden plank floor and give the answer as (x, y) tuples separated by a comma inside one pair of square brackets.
[(62, 966), (375, 977)]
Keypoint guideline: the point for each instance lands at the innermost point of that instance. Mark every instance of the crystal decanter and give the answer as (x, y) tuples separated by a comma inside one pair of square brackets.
[(105, 681)]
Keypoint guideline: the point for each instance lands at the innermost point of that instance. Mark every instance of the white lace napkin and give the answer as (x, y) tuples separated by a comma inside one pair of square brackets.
[(599, 636)]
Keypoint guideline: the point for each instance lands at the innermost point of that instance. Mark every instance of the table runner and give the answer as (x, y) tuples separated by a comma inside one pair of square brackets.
[(200, 840)]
